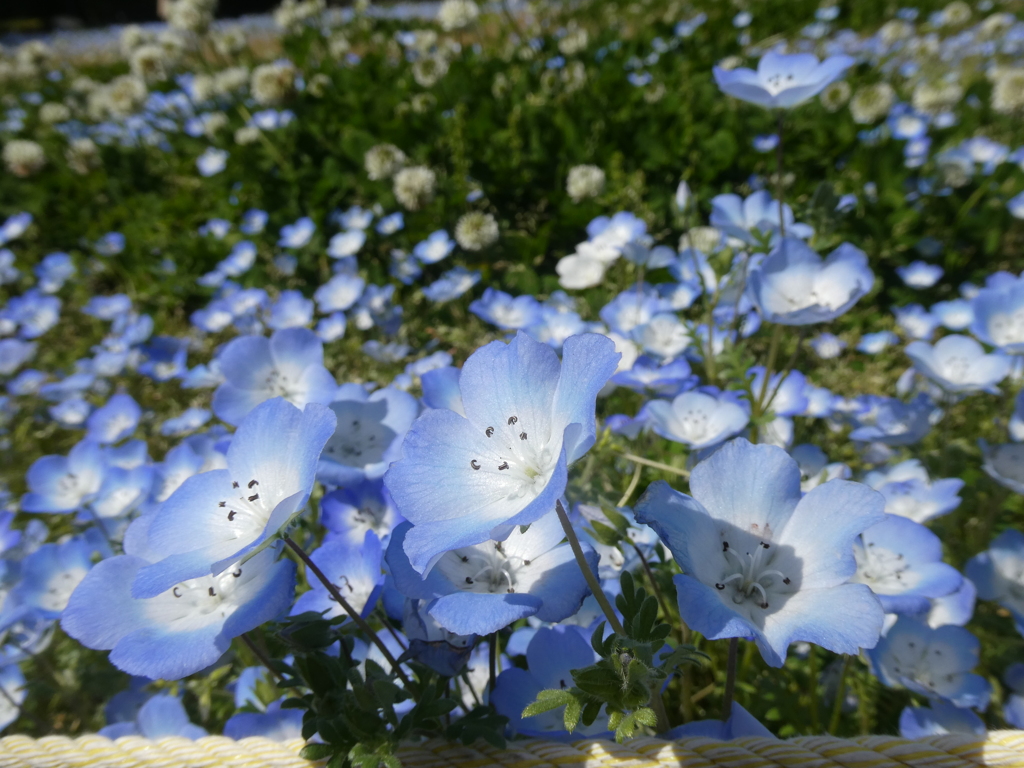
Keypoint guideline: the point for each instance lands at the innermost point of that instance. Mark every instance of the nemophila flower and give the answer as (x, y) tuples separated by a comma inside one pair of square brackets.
[(350, 513), (332, 327), (189, 421), (760, 560), (14, 226), (182, 629), (436, 247), (48, 576), (481, 588), (451, 284), (253, 221), (14, 353), (936, 663), (393, 222), (755, 217), (240, 260), (297, 234), (910, 493), (956, 315), (369, 432), (915, 321), (782, 80), (354, 217), (33, 313), (938, 719), (632, 308), (392, 352), (509, 313), (897, 423), (1013, 706), (815, 468), (166, 358), (107, 307), (464, 480), (614, 232), (347, 243), (765, 142), (339, 293), (647, 375), (551, 655), (429, 643), (999, 315), (212, 161), (793, 285), (291, 310), (53, 271), (920, 274), (663, 336), (272, 723), (740, 724), (195, 454), (998, 573), (959, 364), (114, 421), (217, 518), (65, 483), (873, 343), (827, 346), (902, 563), (354, 570), (13, 689), (441, 389), (700, 418), (955, 608), (160, 716), (289, 364)]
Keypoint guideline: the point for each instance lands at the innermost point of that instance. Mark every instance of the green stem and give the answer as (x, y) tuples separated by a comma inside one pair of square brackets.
[(656, 464), (592, 582), (352, 612), (492, 661), (258, 653), (769, 367), (730, 678), (837, 705), (778, 178), (633, 483)]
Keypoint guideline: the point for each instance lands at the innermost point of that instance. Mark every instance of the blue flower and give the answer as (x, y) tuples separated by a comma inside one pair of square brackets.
[(273, 723), (65, 483), (436, 247), (339, 293), (959, 364), (873, 343), (481, 588), (898, 423), (902, 563), (114, 421), (346, 243), (936, 663), (53, 271), (632, 308), (647, 376), (739, 725), (253, 221), (999, 315), (782, 80), (920, 274), (289, 364), (388, 225), (551, 655), (956, 315), (827, 346), (464, 480), (160, 716), (1004, 464), (14, 227), (217, 518), (762, 563), (505, 311), (368, 437), (756, 216), (700, 418), (998, 573), (350, 513), (795, 286), (298, 234), (1013, 707), (939, 719), (212, 161), (354, 570), (451, 284), (14, 353), (431, 644), (291, 310), (182, 629), (107, 307), (910, 493), (35, 313), (189, 421)]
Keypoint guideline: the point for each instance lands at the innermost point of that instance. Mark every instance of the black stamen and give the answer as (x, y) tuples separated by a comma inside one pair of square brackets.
[(786, 580), (503, 465), (474, 464), (512, 420), (725, 546), (222, 504), (212, 593), (234, 484), (489, 431), (231, 515), (252, 483), (469, 580), (175, 592), (522, 435), (254, 497), (719, 586), (237, 573)]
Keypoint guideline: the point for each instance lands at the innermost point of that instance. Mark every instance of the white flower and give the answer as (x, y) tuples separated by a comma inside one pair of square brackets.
[(872, 102), (584, 181), (476, 230), (456, 14), (414, 187), (23, 157), (383, 161), (272, 83)]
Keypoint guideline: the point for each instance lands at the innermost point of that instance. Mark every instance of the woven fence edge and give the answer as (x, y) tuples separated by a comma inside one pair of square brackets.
[(999, 749)]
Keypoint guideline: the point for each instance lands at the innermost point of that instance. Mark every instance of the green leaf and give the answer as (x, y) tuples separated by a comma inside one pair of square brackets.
[(314, 752), (571, 716), (547, 700)]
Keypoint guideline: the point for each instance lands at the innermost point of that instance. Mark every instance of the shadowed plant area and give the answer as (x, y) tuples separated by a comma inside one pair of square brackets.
[(477, 372)]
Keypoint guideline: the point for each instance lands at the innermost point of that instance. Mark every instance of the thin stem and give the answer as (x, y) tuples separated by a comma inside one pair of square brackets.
[(788, 369), (704, 692), (259, 654), (778, 179), (391, 629), (352, 612), (472, 690), (656, 464), (592, 582), (837, 705), (492, 661), (633, 483), (730, 678), (769, 366)]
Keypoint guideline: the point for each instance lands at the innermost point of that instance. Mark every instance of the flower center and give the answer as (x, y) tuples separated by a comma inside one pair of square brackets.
[(526, 460), (484, 568), (249, 511), (751, 578), (1006, 328), (881, 569), (279, 385)]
